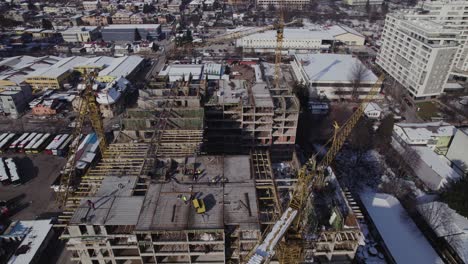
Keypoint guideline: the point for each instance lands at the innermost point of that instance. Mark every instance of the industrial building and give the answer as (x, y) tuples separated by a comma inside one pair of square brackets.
[(131, 32), (120, 67), (14, 70), (80, 34), (302, 40), (333, 75), (185, 72), (56, 75), (418, 54), (14, 102)]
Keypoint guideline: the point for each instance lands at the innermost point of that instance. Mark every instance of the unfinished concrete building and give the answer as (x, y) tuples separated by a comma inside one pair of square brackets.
[(177, 132), (118, 223), (240, 117), (161, 93), (332, 218), (285, 120)]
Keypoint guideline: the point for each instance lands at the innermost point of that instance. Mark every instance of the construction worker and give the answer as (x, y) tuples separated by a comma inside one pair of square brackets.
[(184, 198)]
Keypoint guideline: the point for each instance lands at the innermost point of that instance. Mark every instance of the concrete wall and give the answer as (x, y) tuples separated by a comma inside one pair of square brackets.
[(457, 153)]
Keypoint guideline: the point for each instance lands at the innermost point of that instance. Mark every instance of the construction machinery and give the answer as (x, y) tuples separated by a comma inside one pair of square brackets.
[(279, 25), (311, 176), (88, 109)]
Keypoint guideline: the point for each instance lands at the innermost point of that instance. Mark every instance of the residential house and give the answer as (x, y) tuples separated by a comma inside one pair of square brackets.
[(436, 135), (121, 17), (137, 18)]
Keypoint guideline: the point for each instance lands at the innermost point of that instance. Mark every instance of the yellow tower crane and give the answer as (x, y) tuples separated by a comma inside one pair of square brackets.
[(279, 45), (290, 225), (88, 108)]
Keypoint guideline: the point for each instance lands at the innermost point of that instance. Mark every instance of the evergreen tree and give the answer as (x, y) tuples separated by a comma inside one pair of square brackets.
[(137, 35), (361, 139), (302, 93), (46, 24), (384, 132), (455, 194)]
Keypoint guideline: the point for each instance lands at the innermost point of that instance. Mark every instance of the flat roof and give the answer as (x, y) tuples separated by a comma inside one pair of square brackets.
[(162, 208), (231, 92), (233, 203), (439, 164), (79, 29), (425, 131), (331, 67), (33, 234), (58, 68), (401, 236), (293, 34), (261, 95), (183, 70), (142, 26), (121, 67)]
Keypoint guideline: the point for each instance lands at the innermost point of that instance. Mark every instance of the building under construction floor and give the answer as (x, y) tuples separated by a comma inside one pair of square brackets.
[(135, 207), (241, 117), (176, 132), (201, 209)]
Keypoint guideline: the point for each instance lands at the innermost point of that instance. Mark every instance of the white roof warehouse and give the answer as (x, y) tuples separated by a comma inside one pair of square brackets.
[(331, 75)]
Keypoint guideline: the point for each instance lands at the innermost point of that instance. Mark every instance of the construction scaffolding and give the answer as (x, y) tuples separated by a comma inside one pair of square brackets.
[(122, 159), (181, 135), (116, 222), (265, 183)]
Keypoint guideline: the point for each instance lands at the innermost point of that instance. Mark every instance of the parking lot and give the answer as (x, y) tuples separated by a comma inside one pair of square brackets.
[(35, 195)]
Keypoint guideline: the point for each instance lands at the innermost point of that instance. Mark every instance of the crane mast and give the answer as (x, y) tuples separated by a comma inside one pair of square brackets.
[(88, 108), (309, 176)]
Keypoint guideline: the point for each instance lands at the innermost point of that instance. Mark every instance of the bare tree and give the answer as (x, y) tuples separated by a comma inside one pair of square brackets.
[(435, 214), (411, 157), (439, 217), (357, 75)]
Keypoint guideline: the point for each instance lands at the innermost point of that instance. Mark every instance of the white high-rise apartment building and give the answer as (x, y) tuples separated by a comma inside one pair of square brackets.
[(417, 53), (451, 16)]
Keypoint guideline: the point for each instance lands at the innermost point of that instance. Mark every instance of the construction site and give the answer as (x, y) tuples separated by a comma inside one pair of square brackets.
[(204, 170)]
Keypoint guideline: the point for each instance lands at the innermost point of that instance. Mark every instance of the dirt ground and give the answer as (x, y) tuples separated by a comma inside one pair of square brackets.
[(35, 195)]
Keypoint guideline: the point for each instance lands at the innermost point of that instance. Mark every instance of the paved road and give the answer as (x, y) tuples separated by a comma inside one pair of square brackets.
[(39, 171)]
